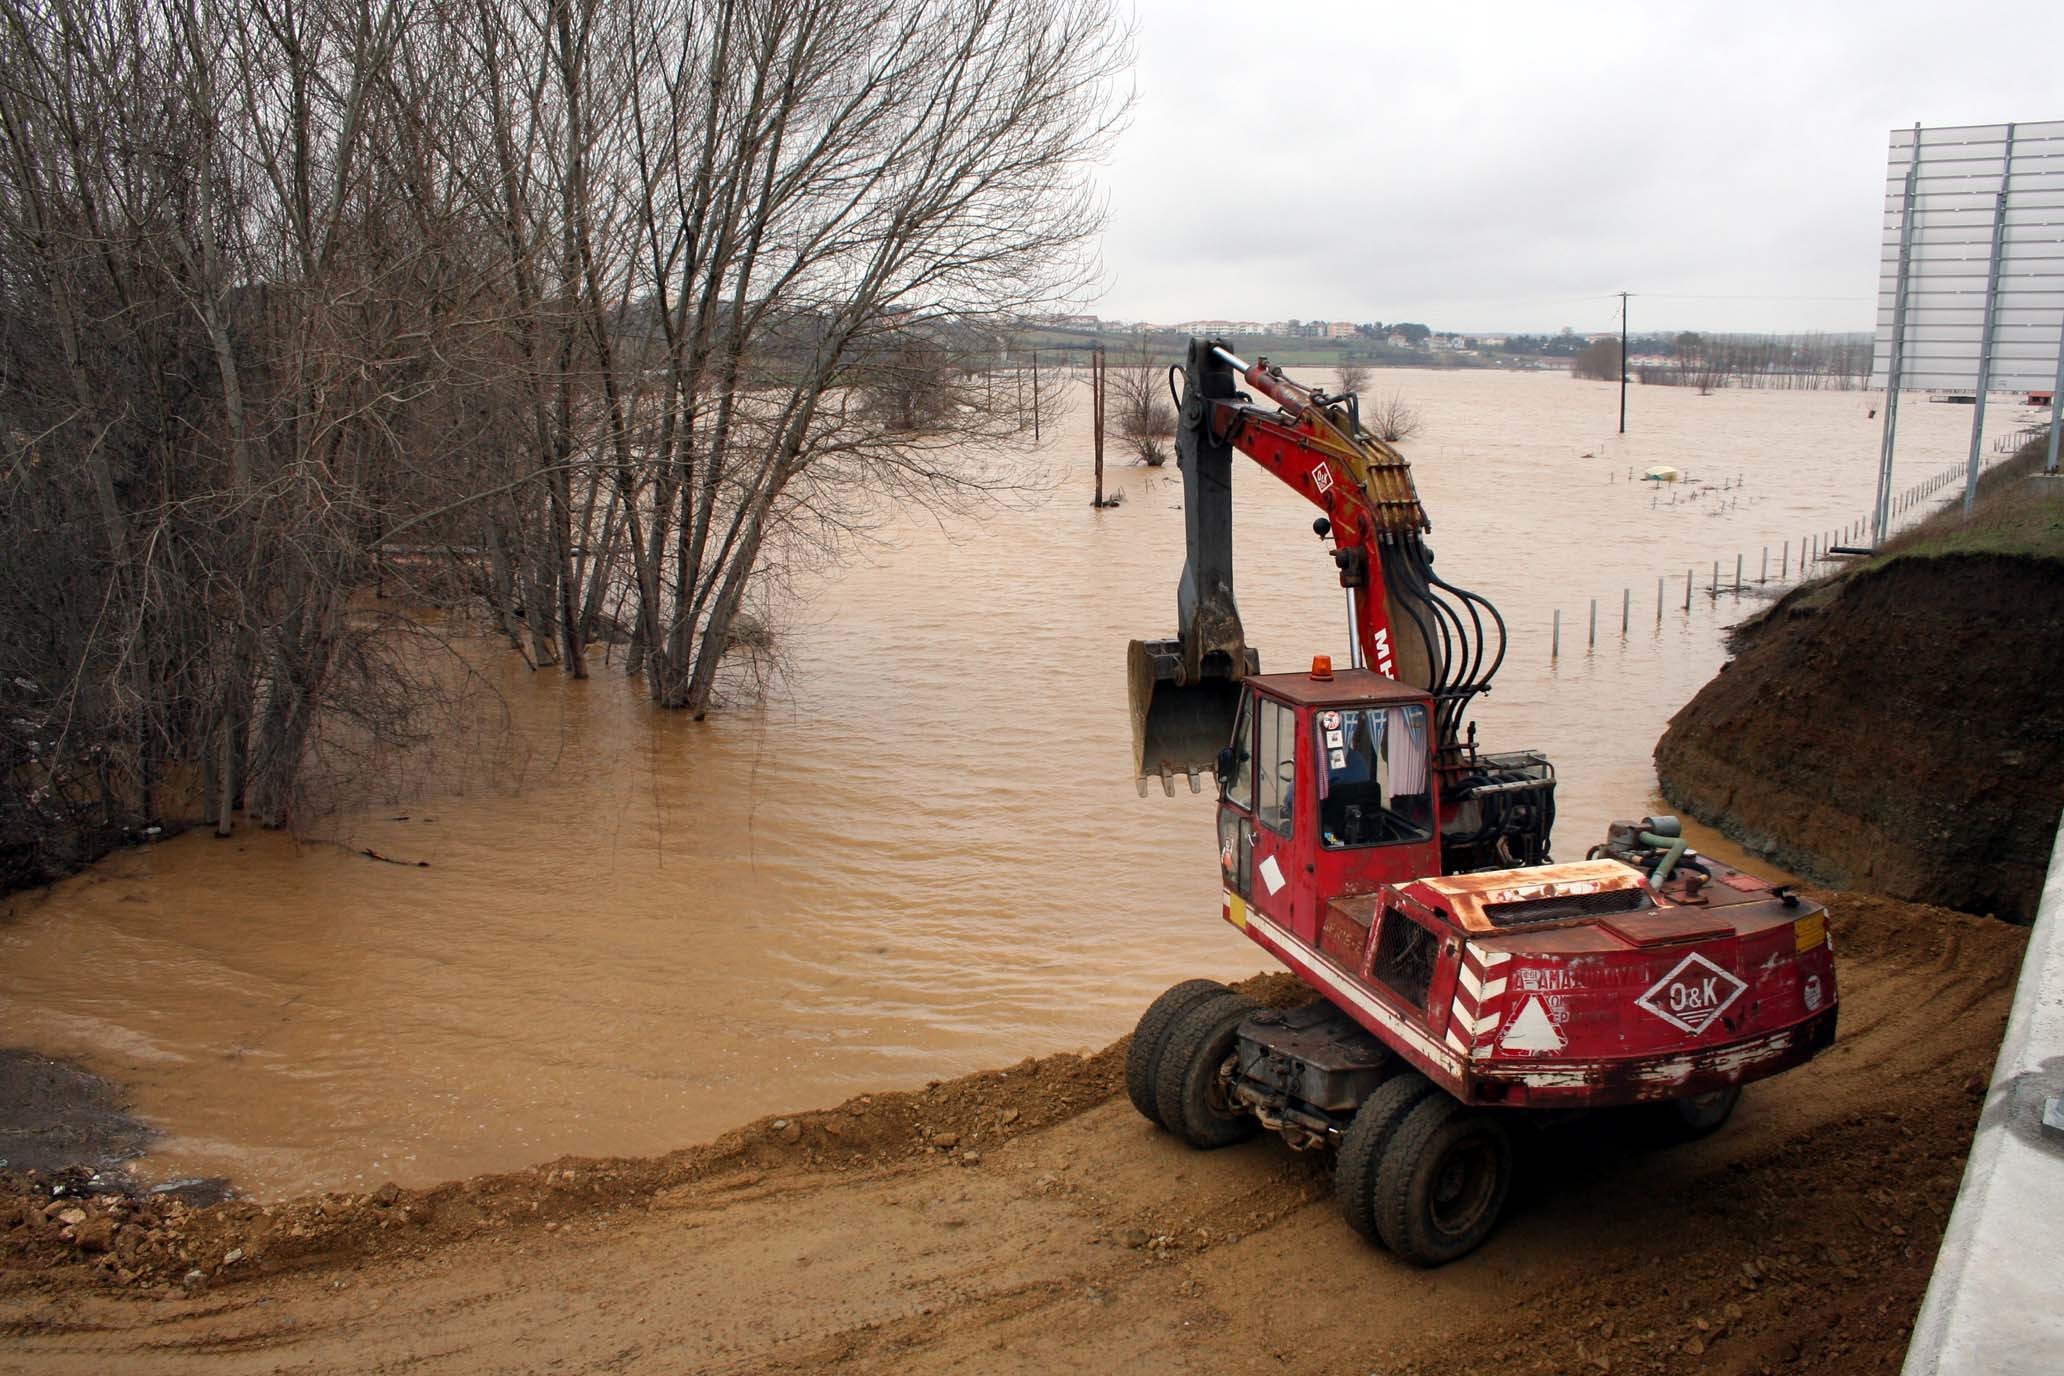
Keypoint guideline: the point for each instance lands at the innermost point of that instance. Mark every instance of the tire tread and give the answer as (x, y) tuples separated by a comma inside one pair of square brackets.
[(1361, 1147), (1143, 1057), (1178, 1076), (1396, 1222)]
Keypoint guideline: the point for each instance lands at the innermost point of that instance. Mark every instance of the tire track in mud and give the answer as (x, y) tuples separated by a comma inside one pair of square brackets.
[(1798, 1239)]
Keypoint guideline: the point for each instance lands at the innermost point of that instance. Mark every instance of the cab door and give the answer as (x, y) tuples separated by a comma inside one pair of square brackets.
[(1236, 808), (1275, 817)]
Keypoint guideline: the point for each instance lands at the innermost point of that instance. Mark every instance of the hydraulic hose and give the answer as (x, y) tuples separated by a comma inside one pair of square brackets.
[(1675, 848)]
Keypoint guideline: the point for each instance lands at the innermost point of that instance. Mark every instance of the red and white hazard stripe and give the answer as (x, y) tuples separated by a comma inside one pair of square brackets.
[(1479, 1004)]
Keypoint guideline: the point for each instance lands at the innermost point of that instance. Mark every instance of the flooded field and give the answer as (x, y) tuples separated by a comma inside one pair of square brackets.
[(926, 857)]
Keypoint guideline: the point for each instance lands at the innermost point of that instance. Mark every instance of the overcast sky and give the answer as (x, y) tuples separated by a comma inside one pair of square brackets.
[(1481, 166)]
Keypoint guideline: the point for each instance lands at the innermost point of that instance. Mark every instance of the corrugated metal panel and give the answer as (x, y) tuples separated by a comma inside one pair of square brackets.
[(1958, 180)]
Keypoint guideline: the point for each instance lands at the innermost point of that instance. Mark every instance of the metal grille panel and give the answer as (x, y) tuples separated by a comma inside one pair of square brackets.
[(1569, 905), (1404, 956)]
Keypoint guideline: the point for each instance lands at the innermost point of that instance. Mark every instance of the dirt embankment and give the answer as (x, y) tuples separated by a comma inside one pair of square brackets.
[(1027, 1220), (1899, 729)]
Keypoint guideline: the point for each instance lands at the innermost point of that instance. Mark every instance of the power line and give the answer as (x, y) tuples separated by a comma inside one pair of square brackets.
[(1682, 296)]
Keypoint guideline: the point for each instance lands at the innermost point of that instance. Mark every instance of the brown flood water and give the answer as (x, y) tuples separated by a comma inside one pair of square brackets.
[(926, 858)]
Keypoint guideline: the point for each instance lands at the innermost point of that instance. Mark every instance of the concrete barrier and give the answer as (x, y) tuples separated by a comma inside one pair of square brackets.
[(1995, 1305)]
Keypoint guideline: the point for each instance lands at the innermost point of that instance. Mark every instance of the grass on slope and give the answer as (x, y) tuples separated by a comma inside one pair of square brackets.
[(2018, 512)]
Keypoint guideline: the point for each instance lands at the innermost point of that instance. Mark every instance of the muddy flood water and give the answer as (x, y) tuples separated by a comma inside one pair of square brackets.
[(925, 857)]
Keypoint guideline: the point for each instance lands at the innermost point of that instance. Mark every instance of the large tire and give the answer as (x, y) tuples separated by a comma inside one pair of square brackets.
[(1361, 1146), (1144, 1054), (1187, 1091), (1442, 1182), (1696, 1115)]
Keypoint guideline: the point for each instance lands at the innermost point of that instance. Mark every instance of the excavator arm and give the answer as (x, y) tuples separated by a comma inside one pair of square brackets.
[(1404, 620)]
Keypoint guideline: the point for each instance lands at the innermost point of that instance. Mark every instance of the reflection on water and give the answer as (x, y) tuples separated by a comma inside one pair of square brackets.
[(927, 859)]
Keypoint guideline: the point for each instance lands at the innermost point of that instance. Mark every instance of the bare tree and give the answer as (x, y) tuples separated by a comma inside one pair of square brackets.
[(1354, 375), (1391, 419), (788, 188), (1145, 412)]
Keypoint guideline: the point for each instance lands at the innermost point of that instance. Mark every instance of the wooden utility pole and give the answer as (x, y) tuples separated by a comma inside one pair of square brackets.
[(1623, 363), (1096, 412)]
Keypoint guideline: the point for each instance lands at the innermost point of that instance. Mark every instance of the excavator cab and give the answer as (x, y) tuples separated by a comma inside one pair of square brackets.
[(1327, 788)]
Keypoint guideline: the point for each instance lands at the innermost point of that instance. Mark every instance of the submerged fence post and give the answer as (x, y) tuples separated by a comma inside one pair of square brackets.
[(1096, 412), (1716, 578), (1737, 575), (1764, 577), (1784, 562), (1626, 607), (1555, 640), (1688, 579), (1658, 601), (1593, 644)]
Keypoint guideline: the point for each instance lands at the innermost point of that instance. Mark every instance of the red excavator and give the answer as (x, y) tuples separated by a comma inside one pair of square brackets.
[(1470, 987)]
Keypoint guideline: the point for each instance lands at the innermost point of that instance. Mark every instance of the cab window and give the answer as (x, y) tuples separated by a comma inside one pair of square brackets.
[(1239, 786), (1375, 775), (1276, 753)]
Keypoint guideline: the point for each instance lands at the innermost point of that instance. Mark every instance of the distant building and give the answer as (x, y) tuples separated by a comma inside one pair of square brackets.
[(1398, 341), (1341, 329), (1204, 329)]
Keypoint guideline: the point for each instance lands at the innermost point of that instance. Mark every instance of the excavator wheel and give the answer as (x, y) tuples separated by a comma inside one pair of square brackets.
[(1144, 1055), (1442, 1182), (1362, 1145), (1189, 1092), (1696, 1115)]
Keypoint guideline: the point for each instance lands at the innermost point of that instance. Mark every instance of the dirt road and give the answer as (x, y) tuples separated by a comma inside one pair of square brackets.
[(1028, 1221)]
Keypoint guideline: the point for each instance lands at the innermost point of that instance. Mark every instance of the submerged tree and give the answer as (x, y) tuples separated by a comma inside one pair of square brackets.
[(1146, 408), (786, 191), (1391, 419), (581, 307)]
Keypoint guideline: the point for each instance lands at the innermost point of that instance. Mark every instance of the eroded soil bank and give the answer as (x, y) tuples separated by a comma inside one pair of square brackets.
[(1899, 730), (1027, 1220)]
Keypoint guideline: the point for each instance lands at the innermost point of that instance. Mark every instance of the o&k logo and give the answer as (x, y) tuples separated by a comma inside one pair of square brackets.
[(1693, 994)]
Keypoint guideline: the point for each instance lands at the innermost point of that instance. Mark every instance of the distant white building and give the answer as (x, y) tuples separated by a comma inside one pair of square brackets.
[(1206, 328), (1398, 341), (1341, 329)]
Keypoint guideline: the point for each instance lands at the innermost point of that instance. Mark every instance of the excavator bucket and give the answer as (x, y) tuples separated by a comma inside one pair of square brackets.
[(1178, 726)]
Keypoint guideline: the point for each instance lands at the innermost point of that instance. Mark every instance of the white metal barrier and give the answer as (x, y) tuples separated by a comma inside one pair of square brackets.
[(1995, 1305)]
